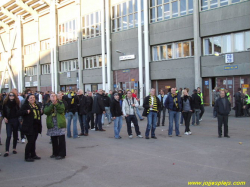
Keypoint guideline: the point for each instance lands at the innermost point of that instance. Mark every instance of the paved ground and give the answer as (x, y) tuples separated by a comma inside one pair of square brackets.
[(100, 160)]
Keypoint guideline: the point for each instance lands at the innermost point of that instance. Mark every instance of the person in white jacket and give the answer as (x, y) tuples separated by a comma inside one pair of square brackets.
[(128, 108)]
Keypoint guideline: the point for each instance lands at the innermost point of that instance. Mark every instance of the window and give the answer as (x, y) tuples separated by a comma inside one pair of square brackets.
[(70, 65), (28, 49), (67, 32), (93, 62), (30, 71), (91, 25), (45, 44), (173, 51), (45, 69), (166, 9), (125, 15), (210, 4), (227, 43)]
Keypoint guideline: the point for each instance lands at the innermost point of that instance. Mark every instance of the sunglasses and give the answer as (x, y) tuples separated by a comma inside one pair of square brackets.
[(11, 95)]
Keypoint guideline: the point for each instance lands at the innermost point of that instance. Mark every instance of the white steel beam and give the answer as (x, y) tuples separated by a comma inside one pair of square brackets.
[(5, 26), (27, 8), (46, 1), (8, 13), (40, 7)]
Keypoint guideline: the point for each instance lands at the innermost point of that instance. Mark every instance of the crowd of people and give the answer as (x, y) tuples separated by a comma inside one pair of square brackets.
[(23, 112)]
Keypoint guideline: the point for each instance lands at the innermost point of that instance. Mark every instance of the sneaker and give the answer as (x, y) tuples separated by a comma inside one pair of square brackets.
[(186, 133), (200, 119), (93, 129), (23, 140), (140, 136), (132, 125), (130, 136), (189, 132)]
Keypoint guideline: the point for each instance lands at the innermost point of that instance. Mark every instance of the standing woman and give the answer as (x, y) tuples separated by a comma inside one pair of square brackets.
[(56, 124), (31, 126), (187, 110), (10, 110), (1, 115)]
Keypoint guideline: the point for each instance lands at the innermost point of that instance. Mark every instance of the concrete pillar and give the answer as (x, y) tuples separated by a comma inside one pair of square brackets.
[(108, 46), (38, 47), (52, 44), (79, 44), (19, 54), (140, 91), (146, 48), (103, 46), (197, 44)]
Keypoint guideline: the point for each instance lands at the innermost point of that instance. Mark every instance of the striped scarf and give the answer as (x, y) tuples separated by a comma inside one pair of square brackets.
[(154, 104), (175, 100), (36, 112)]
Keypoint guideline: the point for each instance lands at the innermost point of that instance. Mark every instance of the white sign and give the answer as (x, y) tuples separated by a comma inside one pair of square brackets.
[(30, 78), (6, 85), (127, 57), (35, 83), (229, 58), (27, 84), (68, 74)]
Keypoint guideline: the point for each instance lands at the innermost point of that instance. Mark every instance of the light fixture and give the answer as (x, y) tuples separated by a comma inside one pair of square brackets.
[(120, 52), (218, 54)]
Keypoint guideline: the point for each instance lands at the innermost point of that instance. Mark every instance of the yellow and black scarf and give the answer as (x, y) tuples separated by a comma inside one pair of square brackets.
[(36, 112), (154, 104), (175, 100)]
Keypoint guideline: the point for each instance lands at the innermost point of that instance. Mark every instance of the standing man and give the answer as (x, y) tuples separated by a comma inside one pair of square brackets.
[(106, 102), (228, 96), (238, 103), (202, 103), (82, 113), (90, 114), (246, 103), (72, 101), (162, 97), (173, 104), (128, 108), (134, 95), (151, 105), (222, 107), (98, 109), (197, 105)]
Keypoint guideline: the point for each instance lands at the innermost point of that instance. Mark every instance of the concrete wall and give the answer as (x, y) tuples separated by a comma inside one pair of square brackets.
[(68, 51), (31, 59), (67, 13), (126, 42), (180, 69), (226, 19), (29, 32), (92, 47), (44, 27), (45, 80), (45, 57), (171, 30), (87, 7), (91, 76), (64, 80), (212, 66)]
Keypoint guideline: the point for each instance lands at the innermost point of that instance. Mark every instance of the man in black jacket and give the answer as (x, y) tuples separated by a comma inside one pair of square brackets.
[(82, 113), (90, 114), (98, 109), (223, 108), (197, 105), (238, 103), (106, 102)]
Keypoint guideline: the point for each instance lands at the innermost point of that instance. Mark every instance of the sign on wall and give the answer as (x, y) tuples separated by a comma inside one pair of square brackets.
[(126, 57), (68, 74), (230, 67), (229, 58), (206, 83)]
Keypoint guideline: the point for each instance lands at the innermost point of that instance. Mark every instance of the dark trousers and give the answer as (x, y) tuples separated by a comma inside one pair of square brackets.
[(129, 119), (21, 132), (30, 149), (238, 109), (163, 111), (98, 121), (246, 110), (187, 117), (90, 118), (222, 120), (83, 124), (202, 111), (11, 126), (58, 145)]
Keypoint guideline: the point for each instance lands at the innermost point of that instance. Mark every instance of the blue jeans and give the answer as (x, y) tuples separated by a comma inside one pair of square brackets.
[(152, 120), (173, 117), (107, 110), (98, 122), (138, 113), (71, 116), (196, 115), (117, 126), (83, 124)]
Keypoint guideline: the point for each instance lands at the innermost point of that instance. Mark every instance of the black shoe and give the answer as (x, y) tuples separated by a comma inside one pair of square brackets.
[(142, 119), (158, 125), (14, 152), (60, 157), (227, 136), (29, 160), (6, 154), (53, 156), (219, 136), (163, 125), (146, 137), (37, 158), (154, 137)]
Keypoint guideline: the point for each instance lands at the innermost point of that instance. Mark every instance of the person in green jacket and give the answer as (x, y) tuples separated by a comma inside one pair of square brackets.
[(56, 124)]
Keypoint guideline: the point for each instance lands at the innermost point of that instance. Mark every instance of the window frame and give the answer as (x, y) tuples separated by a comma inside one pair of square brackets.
[(219, 2)]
